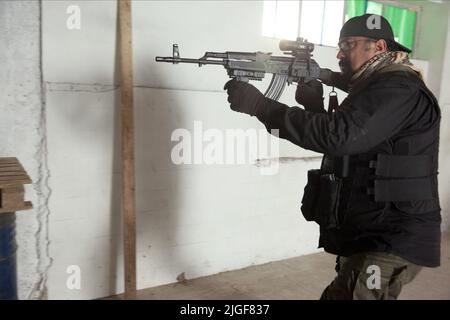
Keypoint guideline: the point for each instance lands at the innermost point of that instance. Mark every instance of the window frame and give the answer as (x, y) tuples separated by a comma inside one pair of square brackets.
[(300, 24)]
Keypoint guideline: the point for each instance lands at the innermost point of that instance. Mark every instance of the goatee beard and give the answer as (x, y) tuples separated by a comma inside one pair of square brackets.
[(346, 70)]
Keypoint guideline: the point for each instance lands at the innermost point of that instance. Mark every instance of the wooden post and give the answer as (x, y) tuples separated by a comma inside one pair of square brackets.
[(128, 179)]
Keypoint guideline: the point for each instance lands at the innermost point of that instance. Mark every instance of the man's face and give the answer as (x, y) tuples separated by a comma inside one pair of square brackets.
[(355, 51)]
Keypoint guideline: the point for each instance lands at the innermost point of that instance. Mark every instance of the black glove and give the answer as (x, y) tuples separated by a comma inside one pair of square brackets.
[(244, 97), (310, 95), (335, 79)]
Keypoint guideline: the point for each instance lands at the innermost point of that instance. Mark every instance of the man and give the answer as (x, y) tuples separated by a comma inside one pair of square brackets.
[(375, 196)]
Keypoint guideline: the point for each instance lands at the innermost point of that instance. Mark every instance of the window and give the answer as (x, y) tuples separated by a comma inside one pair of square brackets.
[(280, 19), (320, 21)]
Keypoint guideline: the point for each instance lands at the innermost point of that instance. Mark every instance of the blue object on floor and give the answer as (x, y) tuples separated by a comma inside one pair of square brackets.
[(8, 267)]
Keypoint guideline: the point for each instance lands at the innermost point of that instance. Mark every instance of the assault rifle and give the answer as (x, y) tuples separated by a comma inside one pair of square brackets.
[(297, 66)]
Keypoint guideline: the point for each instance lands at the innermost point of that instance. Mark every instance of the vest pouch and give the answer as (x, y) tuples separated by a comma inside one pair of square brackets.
[(327, 209), (311, 195), (417, 207)]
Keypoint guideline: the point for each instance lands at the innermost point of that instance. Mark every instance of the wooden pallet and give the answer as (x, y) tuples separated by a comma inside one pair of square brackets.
[(12, 178)]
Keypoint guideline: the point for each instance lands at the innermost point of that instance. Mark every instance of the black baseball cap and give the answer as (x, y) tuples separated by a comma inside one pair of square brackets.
[(371, 26)]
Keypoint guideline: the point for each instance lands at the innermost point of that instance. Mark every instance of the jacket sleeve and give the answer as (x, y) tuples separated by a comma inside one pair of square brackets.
[(381, 111)]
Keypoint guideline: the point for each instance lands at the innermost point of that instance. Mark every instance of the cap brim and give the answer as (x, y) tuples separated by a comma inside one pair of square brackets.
[(402, 48)]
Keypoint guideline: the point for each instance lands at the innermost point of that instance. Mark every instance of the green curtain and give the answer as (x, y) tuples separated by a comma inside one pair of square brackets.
[(402, 20)]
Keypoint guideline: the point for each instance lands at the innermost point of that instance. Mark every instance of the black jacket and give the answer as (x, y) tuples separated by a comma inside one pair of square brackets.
[(391, 113)]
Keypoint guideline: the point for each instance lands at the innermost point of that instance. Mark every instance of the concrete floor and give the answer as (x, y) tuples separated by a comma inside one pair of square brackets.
[(300, 278)]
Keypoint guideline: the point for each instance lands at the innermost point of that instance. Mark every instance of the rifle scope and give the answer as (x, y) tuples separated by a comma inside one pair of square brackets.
[(298, 45)]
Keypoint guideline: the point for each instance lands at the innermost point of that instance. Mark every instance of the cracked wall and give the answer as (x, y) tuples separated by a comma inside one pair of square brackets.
[(22, 128)]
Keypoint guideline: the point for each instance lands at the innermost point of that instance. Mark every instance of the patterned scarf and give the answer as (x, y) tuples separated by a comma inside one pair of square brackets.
[(381, 61)]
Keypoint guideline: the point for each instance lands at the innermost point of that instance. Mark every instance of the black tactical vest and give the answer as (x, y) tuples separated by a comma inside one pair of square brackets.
[(385, 199)]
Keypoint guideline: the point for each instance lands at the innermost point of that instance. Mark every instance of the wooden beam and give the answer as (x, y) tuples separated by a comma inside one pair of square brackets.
[(9, 160), (12, 178), (27, 205), (5, 168), (128, 178)]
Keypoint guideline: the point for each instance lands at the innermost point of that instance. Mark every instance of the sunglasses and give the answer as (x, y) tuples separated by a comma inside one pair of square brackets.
[(347, 45)]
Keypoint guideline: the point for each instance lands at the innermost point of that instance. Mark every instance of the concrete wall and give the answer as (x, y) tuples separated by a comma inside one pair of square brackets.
[(444, 149), (444, 97), (434, 46), (432, 34), (23, 135), (197, 219)]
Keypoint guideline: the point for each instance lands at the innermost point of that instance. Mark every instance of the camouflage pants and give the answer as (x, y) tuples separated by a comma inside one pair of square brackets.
[(370, 276)]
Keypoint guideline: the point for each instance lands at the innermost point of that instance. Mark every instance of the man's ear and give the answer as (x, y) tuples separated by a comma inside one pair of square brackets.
[(381, 46)]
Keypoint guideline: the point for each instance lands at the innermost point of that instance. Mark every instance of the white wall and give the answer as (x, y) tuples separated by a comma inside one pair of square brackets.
[(196, 219), (432, 33), (444, 97), (444, 148), (22, 131)]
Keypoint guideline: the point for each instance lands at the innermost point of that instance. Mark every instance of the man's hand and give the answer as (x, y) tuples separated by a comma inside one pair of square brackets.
[(335, 79), (244, 97), (310, 95)]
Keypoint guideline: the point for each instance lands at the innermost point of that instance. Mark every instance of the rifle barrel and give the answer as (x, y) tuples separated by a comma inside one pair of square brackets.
[(187, 60)]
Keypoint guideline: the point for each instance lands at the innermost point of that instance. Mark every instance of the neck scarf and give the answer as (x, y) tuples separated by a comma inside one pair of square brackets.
[(381, 61)]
